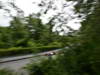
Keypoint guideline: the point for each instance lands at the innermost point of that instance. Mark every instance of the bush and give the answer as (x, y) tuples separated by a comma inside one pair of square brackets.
[(20, 50), (32, 44), (47, 67), (6, 72), (55, 44)]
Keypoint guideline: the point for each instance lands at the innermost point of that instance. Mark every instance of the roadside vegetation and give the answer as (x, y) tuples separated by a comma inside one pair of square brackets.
[(29, 37), (7, 72), (82, 57), (27, 50)]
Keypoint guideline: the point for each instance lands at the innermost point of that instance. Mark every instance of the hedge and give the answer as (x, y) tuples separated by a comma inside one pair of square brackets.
[(19, 51)]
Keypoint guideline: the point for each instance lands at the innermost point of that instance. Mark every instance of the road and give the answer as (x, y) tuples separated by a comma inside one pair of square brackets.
[(16, 63)]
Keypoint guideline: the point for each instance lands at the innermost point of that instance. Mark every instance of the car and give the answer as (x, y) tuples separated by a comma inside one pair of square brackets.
[(50, 53)]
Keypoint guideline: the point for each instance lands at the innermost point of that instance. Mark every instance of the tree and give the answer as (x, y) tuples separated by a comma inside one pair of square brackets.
[(35, 27), (19, 32), (40, 33), (47, 67), (61, 17), (5, 37), (82, 57)]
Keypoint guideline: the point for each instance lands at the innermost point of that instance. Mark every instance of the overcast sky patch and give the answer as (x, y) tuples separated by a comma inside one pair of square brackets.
[(31, 6)]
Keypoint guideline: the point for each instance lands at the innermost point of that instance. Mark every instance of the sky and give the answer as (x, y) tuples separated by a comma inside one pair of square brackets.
[(28, 7)]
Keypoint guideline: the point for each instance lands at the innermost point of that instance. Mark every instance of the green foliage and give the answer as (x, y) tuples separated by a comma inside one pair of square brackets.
[(20, 50), (83, 55), (29, 34), (59, 44), (18, 28), (5, 37), (29, 37), (47, 67), (6, 72), (33, 44), (34, 27)]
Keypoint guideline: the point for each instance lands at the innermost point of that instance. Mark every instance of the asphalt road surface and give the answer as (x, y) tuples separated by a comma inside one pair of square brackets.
[(17, 63)]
